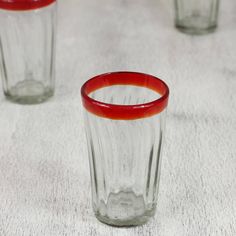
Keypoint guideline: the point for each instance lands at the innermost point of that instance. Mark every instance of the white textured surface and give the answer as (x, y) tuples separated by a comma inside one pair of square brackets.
[(44, 174)]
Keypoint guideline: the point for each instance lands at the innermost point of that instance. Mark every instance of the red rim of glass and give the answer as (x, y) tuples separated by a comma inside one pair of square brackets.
[(23, 5), (125, 112)]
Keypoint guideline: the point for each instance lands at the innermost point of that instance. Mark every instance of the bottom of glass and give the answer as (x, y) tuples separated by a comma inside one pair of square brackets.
[(196, 25), (29, 92), (125, 208), (140, 220)]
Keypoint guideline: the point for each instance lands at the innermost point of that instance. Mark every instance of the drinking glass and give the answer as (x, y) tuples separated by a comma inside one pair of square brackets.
[(124, 120), (27, 49), (196, 16)]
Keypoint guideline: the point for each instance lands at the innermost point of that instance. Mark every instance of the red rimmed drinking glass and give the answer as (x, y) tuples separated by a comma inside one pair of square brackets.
[(125, 121)]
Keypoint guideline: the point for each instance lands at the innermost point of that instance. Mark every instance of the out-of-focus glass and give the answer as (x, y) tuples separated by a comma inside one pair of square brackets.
[(196, 16), (125, 122), (27, 50)]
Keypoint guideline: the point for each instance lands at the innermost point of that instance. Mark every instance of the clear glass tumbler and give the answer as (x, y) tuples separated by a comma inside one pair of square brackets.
[(27, 48), (196, 16), (124, 120)]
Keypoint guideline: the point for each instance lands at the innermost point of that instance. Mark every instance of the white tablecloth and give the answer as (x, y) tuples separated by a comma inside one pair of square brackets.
[(44, 172)]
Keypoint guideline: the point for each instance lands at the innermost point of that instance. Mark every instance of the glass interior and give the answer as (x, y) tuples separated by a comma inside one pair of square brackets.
[(125, 95)]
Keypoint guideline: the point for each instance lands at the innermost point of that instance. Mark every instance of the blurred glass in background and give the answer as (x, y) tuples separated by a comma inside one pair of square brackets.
[(196, 16), (27, 48)]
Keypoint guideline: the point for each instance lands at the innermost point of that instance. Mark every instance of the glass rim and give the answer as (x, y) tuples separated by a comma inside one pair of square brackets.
[(125, 112), (24, 5)]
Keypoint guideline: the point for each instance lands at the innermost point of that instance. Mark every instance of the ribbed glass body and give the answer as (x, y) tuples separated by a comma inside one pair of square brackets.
[(27, 48), (196, 16), (125, 158)]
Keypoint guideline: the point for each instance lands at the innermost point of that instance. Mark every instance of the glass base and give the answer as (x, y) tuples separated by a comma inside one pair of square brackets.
[(29, 92), (195, 25), (125, 209)]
